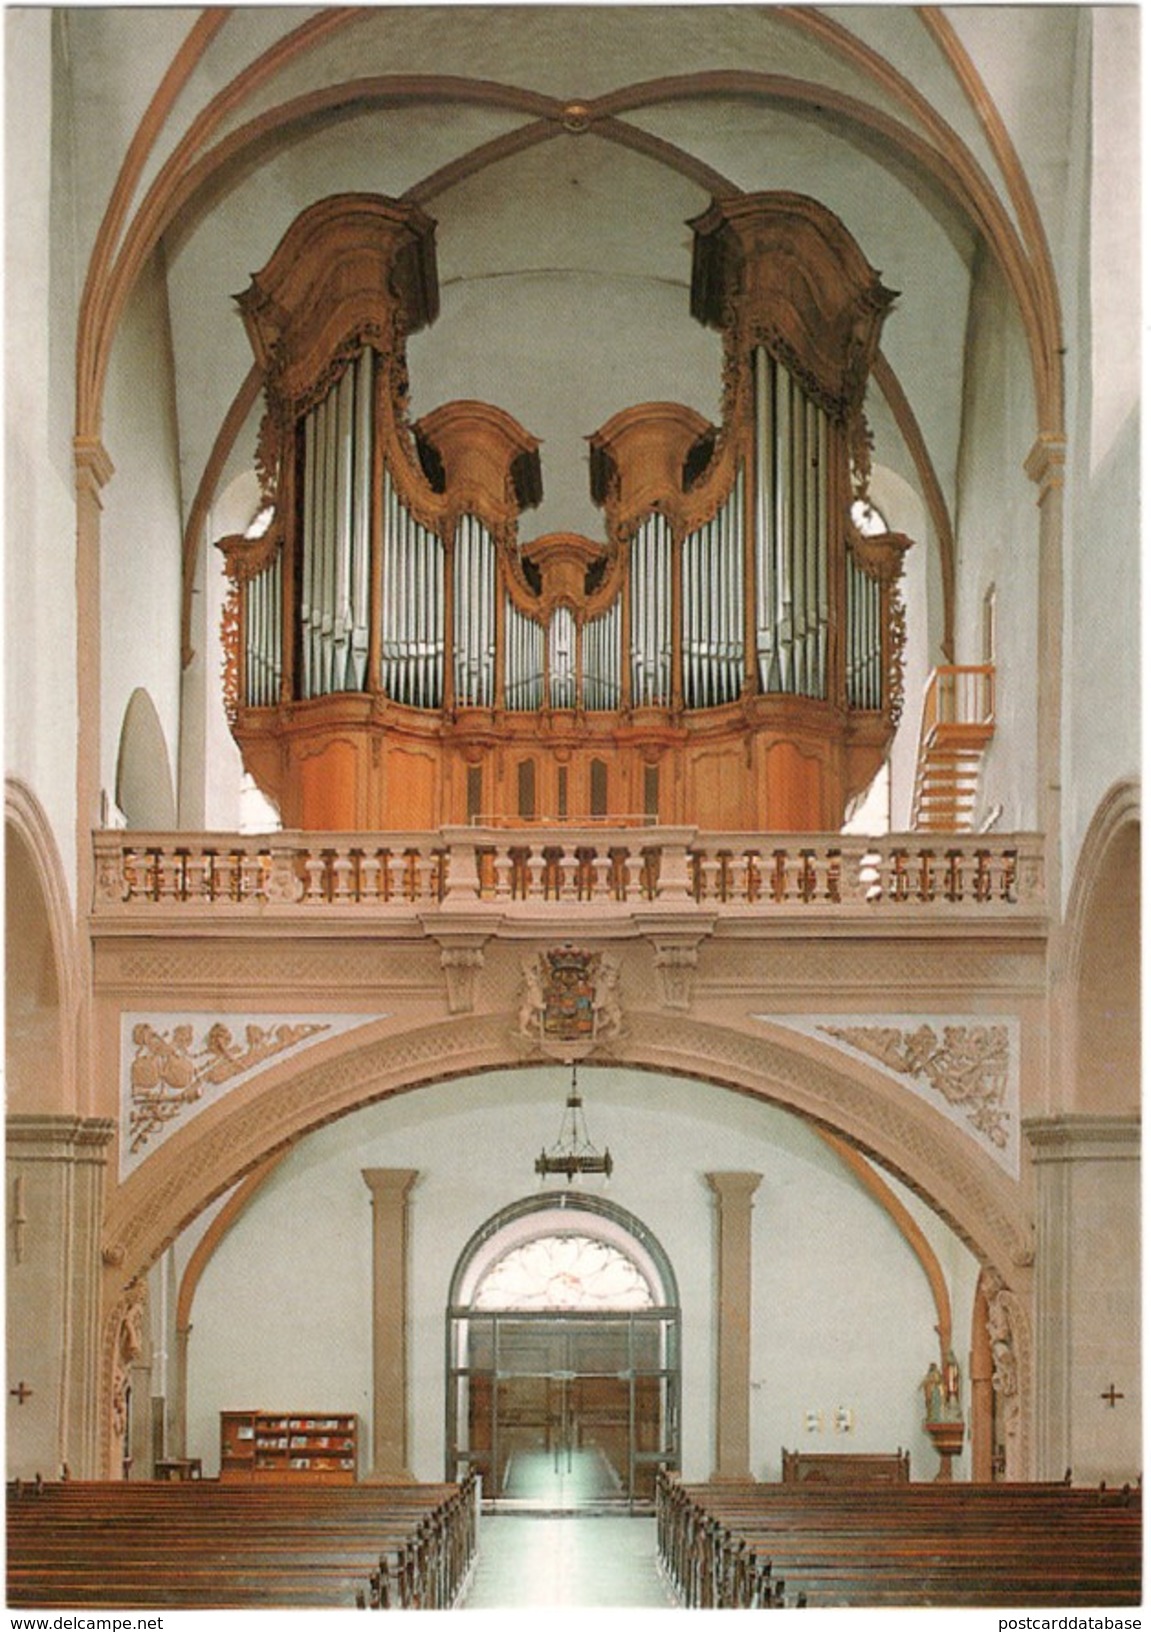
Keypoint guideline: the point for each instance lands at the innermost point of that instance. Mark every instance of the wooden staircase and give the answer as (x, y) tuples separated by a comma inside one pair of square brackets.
[(958, 723)]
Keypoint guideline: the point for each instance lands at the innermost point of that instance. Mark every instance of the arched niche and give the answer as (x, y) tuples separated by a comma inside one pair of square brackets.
[(144, 790), (1104, 963), (37, 982)]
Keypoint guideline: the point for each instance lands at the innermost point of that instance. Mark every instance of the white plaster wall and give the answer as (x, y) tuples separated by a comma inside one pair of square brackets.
[(141, 527), (1102, 726), (997, 535), (282, 1316), (39, 514)]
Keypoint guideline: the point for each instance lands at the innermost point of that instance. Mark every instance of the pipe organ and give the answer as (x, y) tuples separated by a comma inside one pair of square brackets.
[(398, 657)]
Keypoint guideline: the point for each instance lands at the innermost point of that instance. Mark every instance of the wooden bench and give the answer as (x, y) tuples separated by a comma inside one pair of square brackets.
[(206, 1545), (827, 1545), (846, 1468)]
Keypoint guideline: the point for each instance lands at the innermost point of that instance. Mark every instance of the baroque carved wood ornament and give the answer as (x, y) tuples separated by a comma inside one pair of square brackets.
[(732, 633)]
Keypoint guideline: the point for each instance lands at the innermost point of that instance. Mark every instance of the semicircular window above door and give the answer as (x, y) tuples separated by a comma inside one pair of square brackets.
[(564, 1272)]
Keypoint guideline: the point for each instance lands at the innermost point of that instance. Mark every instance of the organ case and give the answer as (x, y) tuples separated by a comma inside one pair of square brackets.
[(727, 655)]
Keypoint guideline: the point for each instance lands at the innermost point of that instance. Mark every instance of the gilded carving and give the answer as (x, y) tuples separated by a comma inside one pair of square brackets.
[(968, 1066), (230, 641), (169, 1072)]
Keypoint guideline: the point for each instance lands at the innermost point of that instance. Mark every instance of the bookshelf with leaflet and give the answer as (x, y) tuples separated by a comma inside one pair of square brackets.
[(305, 1447)]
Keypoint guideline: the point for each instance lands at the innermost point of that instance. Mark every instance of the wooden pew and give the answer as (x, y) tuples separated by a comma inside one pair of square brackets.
[(207, 1545), (906, 1545)]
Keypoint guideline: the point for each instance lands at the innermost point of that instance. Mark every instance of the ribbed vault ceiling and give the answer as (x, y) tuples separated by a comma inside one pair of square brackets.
[(564, 254)]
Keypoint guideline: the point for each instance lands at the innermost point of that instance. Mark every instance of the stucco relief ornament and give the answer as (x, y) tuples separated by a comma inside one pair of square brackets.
[(169, 1072), (969, 1066), (569, 1002)]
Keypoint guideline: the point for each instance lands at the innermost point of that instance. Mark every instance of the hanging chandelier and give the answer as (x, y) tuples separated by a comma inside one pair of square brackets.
[(573, 1153)]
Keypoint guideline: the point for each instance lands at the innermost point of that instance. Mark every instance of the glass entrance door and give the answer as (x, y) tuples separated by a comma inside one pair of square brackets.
[(564, 1410)]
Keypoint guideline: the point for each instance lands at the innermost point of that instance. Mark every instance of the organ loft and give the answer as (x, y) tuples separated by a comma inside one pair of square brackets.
[(402, 654)]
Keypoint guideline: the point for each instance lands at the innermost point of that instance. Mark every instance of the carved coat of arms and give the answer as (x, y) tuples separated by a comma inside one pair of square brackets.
[(570, 999)]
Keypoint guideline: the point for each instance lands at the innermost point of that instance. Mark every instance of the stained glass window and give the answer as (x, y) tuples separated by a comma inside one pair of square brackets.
[(563, 1272)]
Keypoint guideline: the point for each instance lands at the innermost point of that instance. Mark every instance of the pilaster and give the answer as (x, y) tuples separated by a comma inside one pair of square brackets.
[(390, 1187), (733, 1193), (1087, 1297), (55, 1202)]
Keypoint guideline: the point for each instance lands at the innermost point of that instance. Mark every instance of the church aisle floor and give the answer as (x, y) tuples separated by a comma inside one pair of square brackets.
[(592, 1561)]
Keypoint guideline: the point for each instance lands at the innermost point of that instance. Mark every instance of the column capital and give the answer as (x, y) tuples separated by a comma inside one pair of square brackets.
[(392, 1183), (734, 1186), (1078, 1137), (1044, 464), (93, 464)]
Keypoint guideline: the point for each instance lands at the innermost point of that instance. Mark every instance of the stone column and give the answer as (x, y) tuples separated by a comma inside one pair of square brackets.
[(390, 1187), (733, 1193), (54, 1211), (1087, 1297)]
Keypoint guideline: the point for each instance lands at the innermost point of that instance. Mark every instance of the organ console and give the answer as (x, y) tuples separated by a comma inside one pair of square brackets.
[(398, 657)]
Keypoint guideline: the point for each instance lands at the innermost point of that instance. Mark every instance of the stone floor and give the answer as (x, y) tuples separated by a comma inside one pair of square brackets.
[(567, 1560)]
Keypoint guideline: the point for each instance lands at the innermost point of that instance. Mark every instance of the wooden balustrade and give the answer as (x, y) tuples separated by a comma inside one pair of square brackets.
[(576, 867)]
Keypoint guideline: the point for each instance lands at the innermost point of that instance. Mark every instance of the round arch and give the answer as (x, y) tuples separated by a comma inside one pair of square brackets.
[(814, 1080), (1102, 959), (272, 1114), (550, 1212), (41, 971)]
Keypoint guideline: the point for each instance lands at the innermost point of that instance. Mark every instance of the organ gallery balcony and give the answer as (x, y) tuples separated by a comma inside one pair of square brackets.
[(567, 874)]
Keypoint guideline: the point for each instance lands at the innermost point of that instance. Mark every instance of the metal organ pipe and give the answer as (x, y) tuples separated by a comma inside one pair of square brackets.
[(712, 577), (561, 657), (650, 634), (335, 566), (601, 660), (523, 683), (765, 520), (474, 619), (361, 528), (412, 614)]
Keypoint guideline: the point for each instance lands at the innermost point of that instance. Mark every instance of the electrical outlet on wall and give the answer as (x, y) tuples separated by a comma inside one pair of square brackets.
[(844, 1419), (813, 1421)]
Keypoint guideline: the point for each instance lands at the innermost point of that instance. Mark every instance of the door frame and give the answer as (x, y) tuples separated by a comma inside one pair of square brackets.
[(549, 1213)]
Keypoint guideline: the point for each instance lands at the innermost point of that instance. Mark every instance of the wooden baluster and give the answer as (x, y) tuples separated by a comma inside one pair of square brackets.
[(622, 873), (252, 877), (369, 876), (535, 873), (833, 892), (195, 880), (982, 884), (314, 872), (807, 883), (900, 883), (779, 876), (504, 873), (926, 890), (341, 876), (754, 885), (1010, 875), (953, 887)]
